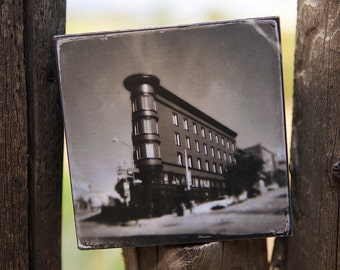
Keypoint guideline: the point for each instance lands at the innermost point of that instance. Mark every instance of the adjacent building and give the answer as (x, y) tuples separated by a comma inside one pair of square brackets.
[(180, 151), (268, 157), (274, 169)]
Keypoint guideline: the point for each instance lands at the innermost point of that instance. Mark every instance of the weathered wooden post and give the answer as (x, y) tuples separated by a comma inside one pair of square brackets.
[(236, 254), (316, 138), (31, 135)]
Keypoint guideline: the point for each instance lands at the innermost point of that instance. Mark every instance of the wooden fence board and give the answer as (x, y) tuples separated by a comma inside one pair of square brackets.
[(45, 131), (236, 254), (316, 138), (31, 139), (13, 140)]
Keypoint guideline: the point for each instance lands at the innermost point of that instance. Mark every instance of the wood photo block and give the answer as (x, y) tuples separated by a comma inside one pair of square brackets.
[(176, 134)]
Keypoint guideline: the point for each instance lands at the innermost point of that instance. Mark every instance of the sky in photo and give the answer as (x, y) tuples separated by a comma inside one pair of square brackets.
[(231, 72)]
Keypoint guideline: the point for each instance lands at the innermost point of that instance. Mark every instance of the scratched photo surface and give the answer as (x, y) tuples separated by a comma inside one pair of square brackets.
[(137, 185)]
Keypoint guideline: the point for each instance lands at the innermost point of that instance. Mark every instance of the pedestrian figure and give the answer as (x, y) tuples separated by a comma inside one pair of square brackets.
[(180, 209), (123, 189), (127, 193)]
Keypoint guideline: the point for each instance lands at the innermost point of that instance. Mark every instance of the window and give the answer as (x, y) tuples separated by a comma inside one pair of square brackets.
[(199, 164), (165, 178), (220, 169), (146, 102), (135, 128), (179, 158), (230, 158), (183, 181), (210, 136), (175, 180), (228, 144), (195, 128), (196, 181), (197, 145), (214, 167), (217, 139), (147, 125), (138, 153), (177, 139), (205, 149), (212, 151), (175, 119), (190, 161), (233, 146), (150, 150), (134, 105), (222, 141), (187, 143), (225, 156), (207, 165), (203, 132), (219, 154), (185, 124)]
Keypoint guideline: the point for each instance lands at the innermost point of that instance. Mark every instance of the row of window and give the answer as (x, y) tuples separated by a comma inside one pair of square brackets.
[(144, 102), (215, 168), (213, 152), (145, 125), (175, 179), (147, 150), (218, 139)]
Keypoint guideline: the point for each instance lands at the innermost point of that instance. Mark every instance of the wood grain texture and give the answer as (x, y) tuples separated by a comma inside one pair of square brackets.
[(316, 138), (44, 19), (31, 135), (13, 140), (233, 255)]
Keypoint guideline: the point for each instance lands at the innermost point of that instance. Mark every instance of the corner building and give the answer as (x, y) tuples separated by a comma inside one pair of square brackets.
[(181, 152)]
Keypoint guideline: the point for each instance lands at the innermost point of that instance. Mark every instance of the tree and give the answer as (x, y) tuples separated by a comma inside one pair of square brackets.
[(244, 174)]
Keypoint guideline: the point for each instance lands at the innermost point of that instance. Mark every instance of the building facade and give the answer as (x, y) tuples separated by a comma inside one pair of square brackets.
[(180, 151), (268, 157)]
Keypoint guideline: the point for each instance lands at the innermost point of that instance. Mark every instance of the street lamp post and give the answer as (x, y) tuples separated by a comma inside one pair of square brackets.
[(130, 149)]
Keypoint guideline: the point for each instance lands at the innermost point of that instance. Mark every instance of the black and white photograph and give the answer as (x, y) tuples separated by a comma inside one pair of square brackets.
[(176, 135)]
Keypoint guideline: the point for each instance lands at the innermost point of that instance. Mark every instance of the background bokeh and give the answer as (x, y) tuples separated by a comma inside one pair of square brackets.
[(111, 15)]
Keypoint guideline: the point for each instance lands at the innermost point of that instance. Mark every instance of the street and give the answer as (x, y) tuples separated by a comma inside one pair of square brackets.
[(263, 215)]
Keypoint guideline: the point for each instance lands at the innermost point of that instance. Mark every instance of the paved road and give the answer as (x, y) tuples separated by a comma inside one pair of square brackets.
[(265, 214)]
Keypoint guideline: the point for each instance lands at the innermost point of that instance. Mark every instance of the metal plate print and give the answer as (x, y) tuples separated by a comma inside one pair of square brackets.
[(177, 134)]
